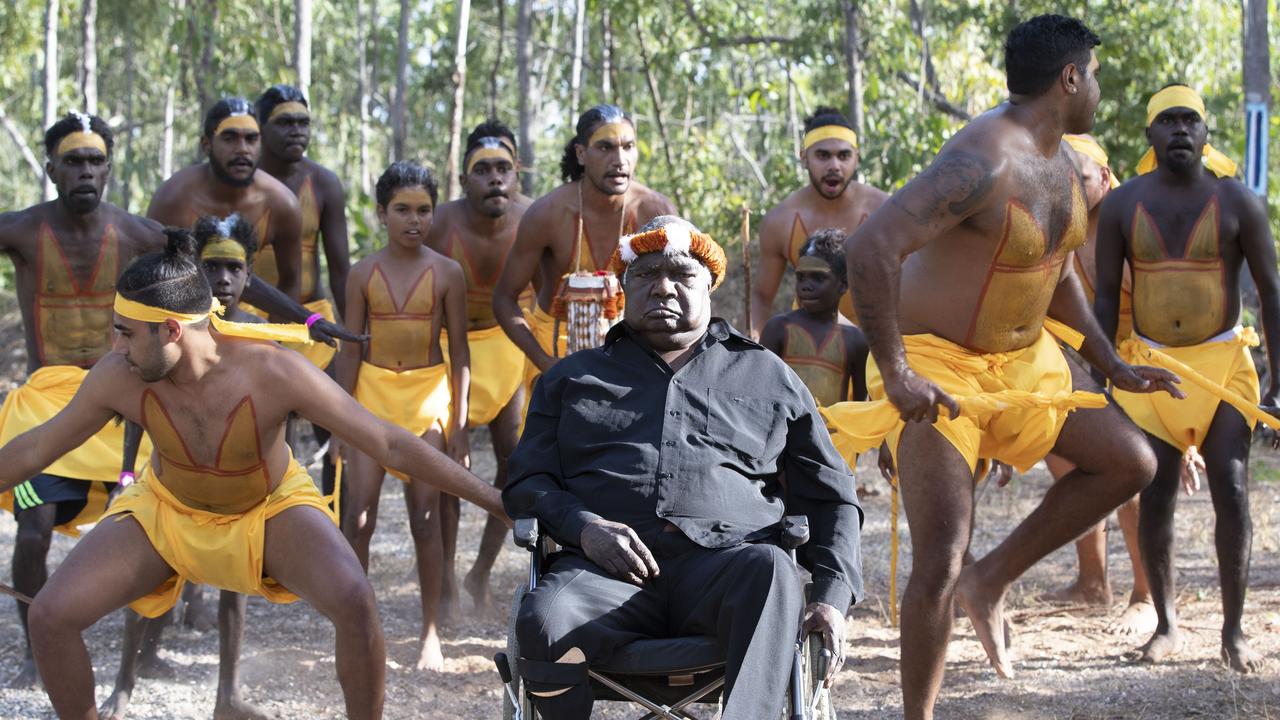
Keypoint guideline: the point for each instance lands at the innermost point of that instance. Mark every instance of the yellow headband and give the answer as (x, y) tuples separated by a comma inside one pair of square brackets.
[(491, 148), (236, 122), (1088, 147), (610, 130), (1176, 96), (224, 248), (81, 139), (293, 107), (278, 332), (809, 263), (827, 132), (1172, 97)]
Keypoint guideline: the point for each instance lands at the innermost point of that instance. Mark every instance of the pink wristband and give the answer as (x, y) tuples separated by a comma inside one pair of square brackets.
[(313, 319), (126, 479)]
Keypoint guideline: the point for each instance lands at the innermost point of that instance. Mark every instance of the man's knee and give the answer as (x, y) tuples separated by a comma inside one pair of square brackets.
[(1135, 464), (50, 613), (32, 540), (935, 570), (352, 602)]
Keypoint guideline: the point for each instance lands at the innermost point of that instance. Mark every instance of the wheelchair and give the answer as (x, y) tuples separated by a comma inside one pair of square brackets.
[(664, 676)]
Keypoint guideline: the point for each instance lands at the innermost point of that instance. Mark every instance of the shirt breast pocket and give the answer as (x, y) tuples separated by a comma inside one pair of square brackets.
[(745, 423)]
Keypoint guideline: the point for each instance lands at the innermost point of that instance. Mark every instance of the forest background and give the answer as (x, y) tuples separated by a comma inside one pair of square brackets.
[(719, 87)]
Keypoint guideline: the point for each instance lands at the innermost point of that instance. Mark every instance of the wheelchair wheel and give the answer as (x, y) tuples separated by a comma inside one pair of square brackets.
[(822, 709), (527, 711)]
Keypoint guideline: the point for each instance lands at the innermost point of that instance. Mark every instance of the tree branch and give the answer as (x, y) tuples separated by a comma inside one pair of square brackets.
[(936, 97), (16, 136)]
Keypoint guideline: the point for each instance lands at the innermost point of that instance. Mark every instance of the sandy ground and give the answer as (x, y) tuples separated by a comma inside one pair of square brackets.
[(1068, 666)]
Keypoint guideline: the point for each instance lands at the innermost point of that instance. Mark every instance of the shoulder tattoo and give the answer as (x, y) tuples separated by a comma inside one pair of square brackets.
[(952, 186)]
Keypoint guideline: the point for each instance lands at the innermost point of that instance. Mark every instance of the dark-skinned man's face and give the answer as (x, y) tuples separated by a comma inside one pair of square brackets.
[(80, 175), (668, 299), (1085, 102), (1178, 136), (287, 136), (233, 155), (610, 159), (488, 184)]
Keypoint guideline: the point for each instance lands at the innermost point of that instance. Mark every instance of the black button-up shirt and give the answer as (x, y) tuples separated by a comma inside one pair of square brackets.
[(613, 433)]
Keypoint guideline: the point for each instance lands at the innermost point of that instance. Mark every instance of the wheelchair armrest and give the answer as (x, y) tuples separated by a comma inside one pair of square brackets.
[(525, 533), (795, 531)]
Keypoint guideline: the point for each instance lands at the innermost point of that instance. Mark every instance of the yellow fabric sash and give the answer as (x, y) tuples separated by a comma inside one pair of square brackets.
[(292, 107), (317, 353), (828, 132), (1193, 414), (225, 551), (278, 332), (82, 139)]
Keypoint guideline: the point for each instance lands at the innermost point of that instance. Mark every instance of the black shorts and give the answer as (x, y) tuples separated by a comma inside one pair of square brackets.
[(68, 495)]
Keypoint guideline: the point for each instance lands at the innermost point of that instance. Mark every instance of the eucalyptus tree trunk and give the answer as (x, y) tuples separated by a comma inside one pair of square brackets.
[(89, 56), (575, 76), (50, 75), (402, 84), (524, 56), (459, 90), (362, 91), (302, 48), (853, 63)]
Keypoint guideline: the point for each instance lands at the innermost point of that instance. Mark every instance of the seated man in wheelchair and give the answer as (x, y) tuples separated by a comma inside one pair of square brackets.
[(663, 462)]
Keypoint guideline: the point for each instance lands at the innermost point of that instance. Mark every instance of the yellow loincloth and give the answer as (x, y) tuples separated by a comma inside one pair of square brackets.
[(1225, 372), (416, 400), (317, 353), (224, 551), (46, 392), (497, 370), (1012, 405)]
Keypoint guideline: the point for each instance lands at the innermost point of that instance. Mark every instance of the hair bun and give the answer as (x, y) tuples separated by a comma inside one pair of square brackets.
[(179, 243)]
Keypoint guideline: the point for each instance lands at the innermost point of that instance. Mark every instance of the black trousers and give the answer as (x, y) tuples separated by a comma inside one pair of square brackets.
[(747, 596)]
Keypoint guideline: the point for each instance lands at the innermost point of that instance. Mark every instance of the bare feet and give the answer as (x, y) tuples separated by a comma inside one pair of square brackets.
[(28, 678), (431, 657), (1078, 593), (1240, 657), (987, 615), (478, 588), (1137, 619), (153, 668), (234, 708), (116, 705), (1161, 645)]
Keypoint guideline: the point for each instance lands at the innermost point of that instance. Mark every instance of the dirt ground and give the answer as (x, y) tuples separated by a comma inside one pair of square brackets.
[(1069, 668)]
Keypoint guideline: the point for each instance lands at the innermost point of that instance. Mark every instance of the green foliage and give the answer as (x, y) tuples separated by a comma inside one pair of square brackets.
[(735, 80)]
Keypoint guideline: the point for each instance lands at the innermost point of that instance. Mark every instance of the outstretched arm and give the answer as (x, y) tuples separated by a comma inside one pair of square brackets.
[(1260, 251), (517, 273), (29, 453), (956, 186), (318, 399)]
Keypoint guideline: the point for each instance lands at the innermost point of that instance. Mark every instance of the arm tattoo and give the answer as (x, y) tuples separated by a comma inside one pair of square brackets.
[(955, 184)]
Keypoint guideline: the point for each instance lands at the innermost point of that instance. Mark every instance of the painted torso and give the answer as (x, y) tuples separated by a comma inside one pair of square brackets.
[(73, 316), (1182, 299), (1022, 276), (820, 363), (400, 333), (237, 480)]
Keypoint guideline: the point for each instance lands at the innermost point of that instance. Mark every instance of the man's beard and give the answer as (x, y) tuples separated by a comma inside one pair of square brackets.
[(221, 173)]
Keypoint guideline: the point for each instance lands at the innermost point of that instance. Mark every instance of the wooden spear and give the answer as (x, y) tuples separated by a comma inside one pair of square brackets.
[(746, 267)]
